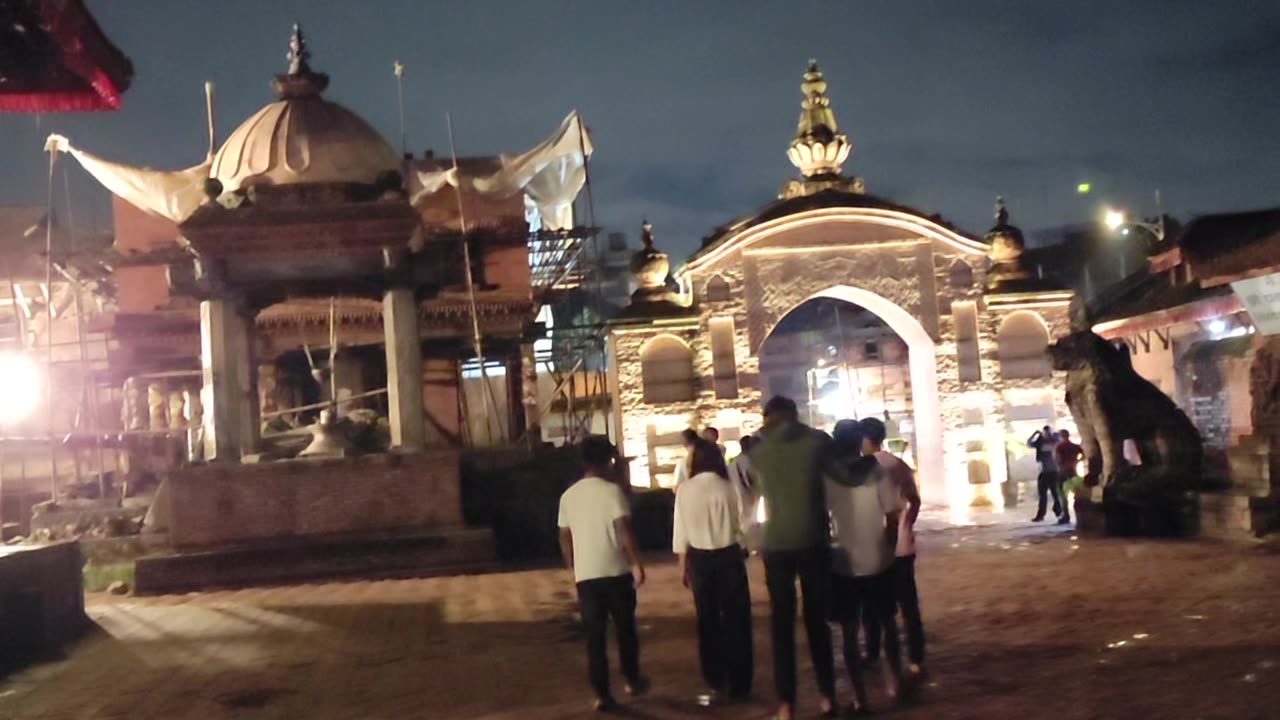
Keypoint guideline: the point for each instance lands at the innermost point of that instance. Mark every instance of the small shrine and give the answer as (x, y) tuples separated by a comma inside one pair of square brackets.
[(304, 313)]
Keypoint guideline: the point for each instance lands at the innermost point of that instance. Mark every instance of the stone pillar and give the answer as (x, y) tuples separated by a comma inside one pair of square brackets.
[(230, 381), (404, 369)]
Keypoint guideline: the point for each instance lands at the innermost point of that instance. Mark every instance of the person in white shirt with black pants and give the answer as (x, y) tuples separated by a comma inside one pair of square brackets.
[(707, 539), (600, 548)]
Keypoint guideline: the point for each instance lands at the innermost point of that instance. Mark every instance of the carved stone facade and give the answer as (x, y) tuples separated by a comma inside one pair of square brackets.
[(826, 238), (898, 265)]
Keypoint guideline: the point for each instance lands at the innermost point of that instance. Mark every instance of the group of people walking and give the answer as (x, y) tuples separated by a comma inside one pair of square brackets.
[(838, 521), (1058, 457)]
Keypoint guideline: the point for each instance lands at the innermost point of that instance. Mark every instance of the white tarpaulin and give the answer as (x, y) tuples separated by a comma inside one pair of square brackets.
[(1261, 297), (169, 194), (551, 174)]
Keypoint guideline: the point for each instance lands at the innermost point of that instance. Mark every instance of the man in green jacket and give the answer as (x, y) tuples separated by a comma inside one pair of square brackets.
[(789, 463)]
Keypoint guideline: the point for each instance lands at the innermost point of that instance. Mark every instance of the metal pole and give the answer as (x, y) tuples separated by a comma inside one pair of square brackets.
[(208, 110), (398, 69), (48, 375), (333, 359)]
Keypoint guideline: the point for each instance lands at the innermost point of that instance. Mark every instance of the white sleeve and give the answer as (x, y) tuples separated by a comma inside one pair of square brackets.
[(737, 509), (564, 514), (679, 541), (682, 472)]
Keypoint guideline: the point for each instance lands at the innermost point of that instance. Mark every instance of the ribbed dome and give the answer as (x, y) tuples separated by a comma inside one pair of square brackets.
[(302, 140)]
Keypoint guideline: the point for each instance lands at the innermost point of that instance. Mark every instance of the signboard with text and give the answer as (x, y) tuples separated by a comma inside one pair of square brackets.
[(1261, 297)]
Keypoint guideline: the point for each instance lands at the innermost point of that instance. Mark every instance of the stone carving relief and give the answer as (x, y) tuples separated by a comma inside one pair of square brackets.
[(780, 283)]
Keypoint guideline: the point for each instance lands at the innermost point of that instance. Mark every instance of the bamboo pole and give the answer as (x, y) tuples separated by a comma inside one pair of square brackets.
[(490, 401)]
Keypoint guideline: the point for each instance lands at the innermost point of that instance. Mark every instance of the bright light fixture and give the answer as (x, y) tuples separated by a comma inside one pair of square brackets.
[(1217, 327), (1113, 219), (19, 387), (1084, 188)]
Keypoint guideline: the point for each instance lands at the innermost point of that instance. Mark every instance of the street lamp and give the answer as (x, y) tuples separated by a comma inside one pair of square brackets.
[(20, 383), (1116, 220)]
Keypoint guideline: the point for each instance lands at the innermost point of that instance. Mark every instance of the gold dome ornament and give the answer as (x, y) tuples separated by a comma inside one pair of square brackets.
[(1007, 246), (650, 267), (818, 149)]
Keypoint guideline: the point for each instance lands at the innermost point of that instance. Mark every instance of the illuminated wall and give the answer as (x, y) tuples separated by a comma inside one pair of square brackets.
[(899, 266)]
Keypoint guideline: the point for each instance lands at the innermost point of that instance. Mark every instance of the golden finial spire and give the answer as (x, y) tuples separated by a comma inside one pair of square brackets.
[(300, 81), (298, 53), (819, 148)]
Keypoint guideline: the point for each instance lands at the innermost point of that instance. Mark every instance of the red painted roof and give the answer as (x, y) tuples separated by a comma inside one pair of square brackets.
[(55, 58)]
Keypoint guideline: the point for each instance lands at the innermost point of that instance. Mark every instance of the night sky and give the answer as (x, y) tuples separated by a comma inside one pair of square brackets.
[(691, 104)]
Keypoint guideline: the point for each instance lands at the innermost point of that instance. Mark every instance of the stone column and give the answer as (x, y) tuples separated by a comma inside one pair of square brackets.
[(404, 369), (230, 381)]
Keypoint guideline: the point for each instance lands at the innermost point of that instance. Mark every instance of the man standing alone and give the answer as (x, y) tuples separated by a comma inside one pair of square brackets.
[(789, 464), (600, 548), (1047, 483)]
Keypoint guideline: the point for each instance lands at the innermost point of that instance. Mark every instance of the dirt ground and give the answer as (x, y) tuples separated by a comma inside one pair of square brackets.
[(1023, 622)]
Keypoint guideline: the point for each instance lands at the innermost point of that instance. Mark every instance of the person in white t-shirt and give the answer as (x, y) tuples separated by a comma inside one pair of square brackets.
[(862, 502), (740, 474), (903, 572), (600, 549), (688, 438), (706, 540)]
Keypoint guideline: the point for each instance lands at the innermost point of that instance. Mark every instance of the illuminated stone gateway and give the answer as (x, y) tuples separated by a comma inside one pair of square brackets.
[(974, 320)]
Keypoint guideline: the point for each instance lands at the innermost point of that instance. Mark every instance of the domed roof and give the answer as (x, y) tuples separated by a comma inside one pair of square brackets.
[(302, 138)]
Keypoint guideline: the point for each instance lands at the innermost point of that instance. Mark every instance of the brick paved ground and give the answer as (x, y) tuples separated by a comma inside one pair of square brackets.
[(1022, 624)]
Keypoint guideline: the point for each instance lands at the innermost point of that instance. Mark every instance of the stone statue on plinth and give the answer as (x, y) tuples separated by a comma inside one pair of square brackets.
[(1112, 403)]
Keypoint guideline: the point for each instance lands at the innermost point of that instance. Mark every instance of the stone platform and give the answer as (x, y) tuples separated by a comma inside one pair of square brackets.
[(383, 515), (41, 601), (219, 504), (452, 551), (1236, 515)]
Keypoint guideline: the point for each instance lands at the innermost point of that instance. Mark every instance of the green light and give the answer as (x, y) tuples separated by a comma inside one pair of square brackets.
[(1083, 188)]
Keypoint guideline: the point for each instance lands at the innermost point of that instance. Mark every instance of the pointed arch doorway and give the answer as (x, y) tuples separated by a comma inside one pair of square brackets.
[(922, 370)]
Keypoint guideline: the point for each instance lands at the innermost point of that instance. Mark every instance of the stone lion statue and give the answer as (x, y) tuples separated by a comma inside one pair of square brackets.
[(1111, 403)]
